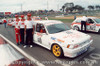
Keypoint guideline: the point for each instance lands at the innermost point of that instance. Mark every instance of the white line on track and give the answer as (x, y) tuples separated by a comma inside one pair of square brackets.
[(21, 51)]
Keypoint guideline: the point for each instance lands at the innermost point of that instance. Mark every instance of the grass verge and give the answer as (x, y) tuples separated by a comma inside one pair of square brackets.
[(63, 20)]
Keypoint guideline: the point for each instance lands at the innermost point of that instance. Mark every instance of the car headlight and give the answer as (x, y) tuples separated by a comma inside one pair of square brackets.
[(71, 46)]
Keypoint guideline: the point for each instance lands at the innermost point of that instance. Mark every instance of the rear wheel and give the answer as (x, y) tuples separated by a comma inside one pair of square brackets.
[(57, 50), (76, 28)]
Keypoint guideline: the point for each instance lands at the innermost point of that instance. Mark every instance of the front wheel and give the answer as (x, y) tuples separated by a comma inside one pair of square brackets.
[(99, 31), (57, 50)]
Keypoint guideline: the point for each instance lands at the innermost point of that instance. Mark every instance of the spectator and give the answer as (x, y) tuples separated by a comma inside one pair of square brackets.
[(5, 22)]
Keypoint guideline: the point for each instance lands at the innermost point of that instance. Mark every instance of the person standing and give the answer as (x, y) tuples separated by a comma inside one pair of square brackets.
[(83, 23), (17, 30), (29, 30), (21, 25), (46, 18), (74, 17), (5, 22)]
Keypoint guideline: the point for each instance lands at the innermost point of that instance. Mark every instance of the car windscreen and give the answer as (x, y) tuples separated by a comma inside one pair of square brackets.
[(97, 20), (56, 28)]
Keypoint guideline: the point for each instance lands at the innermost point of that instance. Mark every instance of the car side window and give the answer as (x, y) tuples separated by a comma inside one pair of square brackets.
[(40, 28), (90, 21)]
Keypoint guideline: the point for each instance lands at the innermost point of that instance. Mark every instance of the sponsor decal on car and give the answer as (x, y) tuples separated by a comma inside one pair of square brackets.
[(73, 35), (58, 40), (54, 39), (97, 24)]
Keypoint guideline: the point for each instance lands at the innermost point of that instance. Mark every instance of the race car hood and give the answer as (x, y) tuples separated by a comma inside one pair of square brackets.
[(71, 36)]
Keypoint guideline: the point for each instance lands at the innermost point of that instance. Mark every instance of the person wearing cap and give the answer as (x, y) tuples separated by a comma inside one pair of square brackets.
[(17, 30), (29, 30), (21, 25), (83, 23)]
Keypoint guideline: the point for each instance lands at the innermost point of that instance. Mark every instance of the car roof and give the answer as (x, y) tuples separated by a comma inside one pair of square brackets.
[(47, 21), (87, 17)]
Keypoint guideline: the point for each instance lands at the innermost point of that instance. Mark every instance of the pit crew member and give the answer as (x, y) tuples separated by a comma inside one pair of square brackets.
[(17, 30)]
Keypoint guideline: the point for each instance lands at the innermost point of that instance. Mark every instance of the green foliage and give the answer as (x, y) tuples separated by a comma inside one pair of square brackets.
[(63, 20)]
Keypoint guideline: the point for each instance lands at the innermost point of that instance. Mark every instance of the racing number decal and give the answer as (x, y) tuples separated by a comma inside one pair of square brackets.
[(39, 40), (39, 37), (92, 27)]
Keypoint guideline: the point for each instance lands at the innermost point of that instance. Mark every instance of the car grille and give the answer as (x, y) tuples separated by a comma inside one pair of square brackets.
[(84, 42)]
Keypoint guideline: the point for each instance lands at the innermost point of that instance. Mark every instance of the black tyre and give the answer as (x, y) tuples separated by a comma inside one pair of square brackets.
[(76, 28), (99, 31)]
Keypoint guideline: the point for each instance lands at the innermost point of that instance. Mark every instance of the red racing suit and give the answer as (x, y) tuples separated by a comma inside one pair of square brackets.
[(17, 32)]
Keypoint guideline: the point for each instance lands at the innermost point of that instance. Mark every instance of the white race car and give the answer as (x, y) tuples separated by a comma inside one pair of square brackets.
[(57, 37), (93, 24), (36, 18), (11, 22)]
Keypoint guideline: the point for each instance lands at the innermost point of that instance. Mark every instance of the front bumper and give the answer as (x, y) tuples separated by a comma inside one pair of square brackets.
[(75, 52)]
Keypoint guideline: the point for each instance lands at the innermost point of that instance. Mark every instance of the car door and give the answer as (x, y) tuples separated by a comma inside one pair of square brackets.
[(91, 25), (41, 35)]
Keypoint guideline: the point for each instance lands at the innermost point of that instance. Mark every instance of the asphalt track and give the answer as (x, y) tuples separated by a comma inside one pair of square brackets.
[(44, 56)]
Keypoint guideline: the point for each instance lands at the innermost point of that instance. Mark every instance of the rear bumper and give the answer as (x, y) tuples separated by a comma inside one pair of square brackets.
[(75, 52)]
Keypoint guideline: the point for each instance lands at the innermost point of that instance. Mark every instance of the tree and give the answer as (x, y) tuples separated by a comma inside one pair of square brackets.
[(90, 7), (51, 10), (97, 7), (63, 8), (78, 7), (69, 7)]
